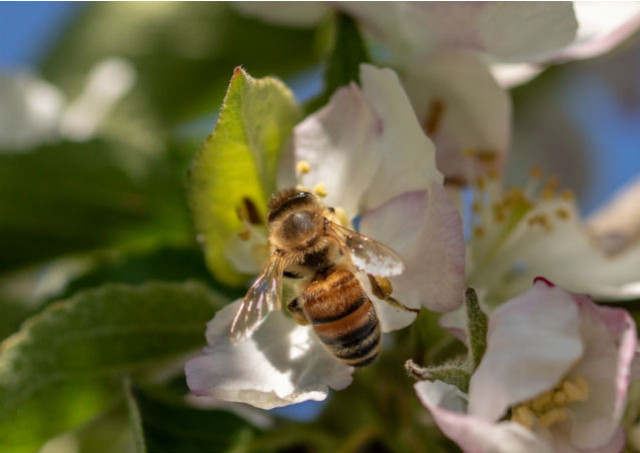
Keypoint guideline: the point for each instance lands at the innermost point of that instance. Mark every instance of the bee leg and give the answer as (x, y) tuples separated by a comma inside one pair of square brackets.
[(382, 289), (296, 311)]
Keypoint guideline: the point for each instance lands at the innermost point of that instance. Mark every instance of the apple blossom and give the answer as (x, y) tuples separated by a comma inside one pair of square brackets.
[(35, 112), (367, 155), (554, 378)]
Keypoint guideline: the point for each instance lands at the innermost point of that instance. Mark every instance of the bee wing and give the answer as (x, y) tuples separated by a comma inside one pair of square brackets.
[(367, 254), (262, 298)]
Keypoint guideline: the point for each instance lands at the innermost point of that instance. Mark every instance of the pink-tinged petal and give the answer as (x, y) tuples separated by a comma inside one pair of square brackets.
[(461, 108), (610, 340), (532, 342), (337, 141), (603, 25), (509, 75), (282, 363), (474, 434), (426, 230), (292, 14), (508, 31), (407, 156), (562, 444)]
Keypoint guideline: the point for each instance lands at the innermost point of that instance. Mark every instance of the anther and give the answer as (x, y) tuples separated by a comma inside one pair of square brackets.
[(320, 190), (523, 416), (562, 213), (478, 231), (303, 167), (567, 195), (552, 416)]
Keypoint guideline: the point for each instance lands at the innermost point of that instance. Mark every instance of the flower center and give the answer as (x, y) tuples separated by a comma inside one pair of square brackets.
[(551, 406), (505, 224)]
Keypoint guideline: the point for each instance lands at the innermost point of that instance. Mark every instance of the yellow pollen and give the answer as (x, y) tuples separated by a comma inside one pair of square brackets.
[(493, 174), (560, 398), (486, 155), (245, 235), (547, 193), (478, 231), (476, 206), (469, 152), (498, 213), (523, 415), (542, 402), (320, 190), (552, 416), (562, 213), (480, 183), (577, 390), (343, 218), (567, 195), (536, 172), (303, 167), (551, 406)]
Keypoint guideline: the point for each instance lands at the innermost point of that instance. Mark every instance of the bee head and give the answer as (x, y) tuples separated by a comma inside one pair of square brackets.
[(295, 219)]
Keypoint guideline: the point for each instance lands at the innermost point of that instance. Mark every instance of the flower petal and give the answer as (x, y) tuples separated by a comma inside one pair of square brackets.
[(533, 340), (610, 339), (508, 31), (337, 142), (426, 230), (556, 253), (603, 25), (30, 111), (407, 155), (473, 434), (462, 108), (282, 363)]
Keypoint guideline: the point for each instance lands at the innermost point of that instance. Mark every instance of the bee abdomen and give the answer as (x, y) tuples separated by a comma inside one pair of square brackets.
[(343, 317)]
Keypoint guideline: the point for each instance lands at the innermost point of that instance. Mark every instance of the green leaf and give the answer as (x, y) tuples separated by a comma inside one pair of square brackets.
[(182, 54), (135, 419), (171, 425), (238, 161), (59, 370), (477, 325), (167, 264), (343, 65), (74, 197)]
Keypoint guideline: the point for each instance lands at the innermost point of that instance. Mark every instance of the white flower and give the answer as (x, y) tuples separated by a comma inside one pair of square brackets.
[(370, 155), (455, 58), (554, 378), (34, 112)]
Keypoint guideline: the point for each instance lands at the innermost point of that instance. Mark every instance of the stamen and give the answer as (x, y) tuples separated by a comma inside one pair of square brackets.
[(434, 117), (486, 156), (303, 167), (551, 406), (320, 190), (550, 417), (577, 390), (478, 231), (567, 195), (523, 415), (342, 217), (245, 235), (562, 213), (535, 172)]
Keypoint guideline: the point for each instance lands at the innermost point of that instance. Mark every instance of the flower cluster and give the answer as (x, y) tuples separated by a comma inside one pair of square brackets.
[(390, 157)]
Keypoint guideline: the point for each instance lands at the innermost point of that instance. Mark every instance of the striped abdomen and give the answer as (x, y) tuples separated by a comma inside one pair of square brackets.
[(343, 317)]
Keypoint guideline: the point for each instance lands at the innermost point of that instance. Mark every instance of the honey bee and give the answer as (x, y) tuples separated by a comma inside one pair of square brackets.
[(322, 258)]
